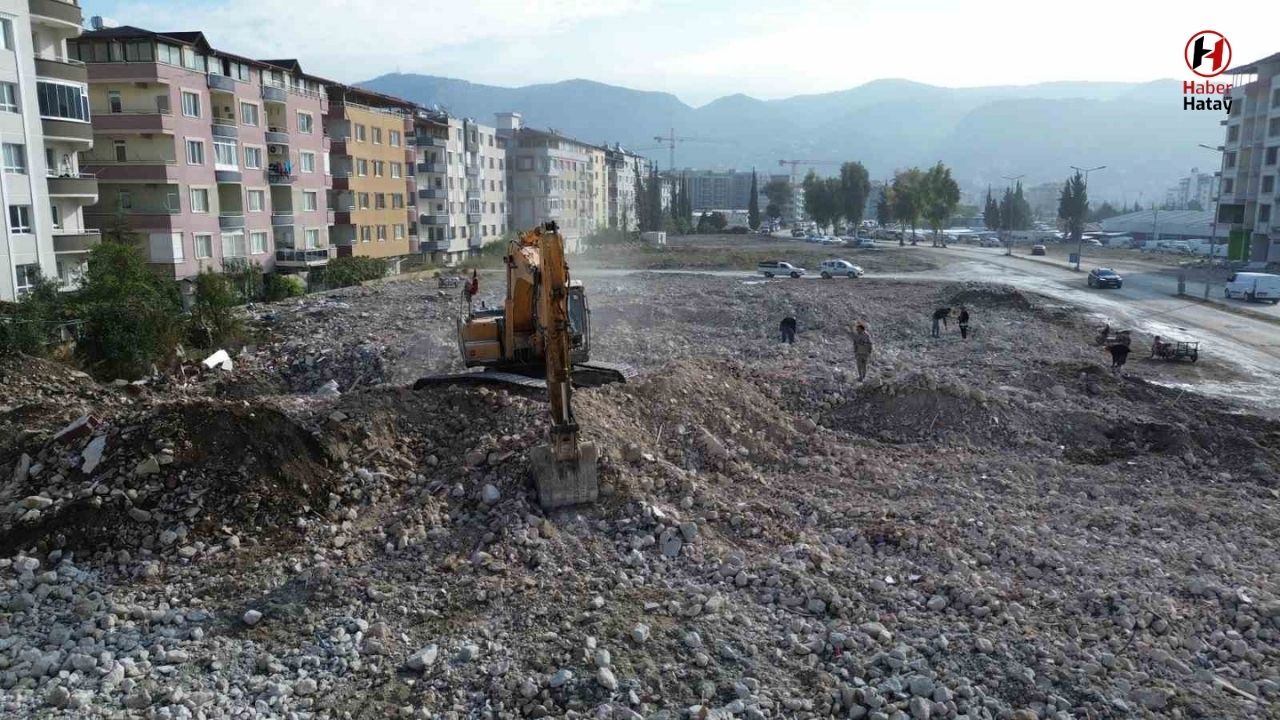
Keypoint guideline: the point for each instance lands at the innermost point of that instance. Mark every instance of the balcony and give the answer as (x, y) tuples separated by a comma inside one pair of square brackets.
[(222, 82), (227, 176), (433, 194), (277, 136), (142, 217), (303, 258), (231, 220), (83, 185), (75, 242), (160, 171), (142, 121), (341, 217), (273, 93), (473, 194), (427, 167), (282, 219), (434, 219), (427, 141), (279, 177), (224, 129), (338, 146), (473, 218), (67, 130), (61, 69), (342, 181), (62, 12), (473, 171)]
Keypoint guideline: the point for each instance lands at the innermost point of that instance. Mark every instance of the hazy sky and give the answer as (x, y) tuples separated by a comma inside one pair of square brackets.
[(703, 49)]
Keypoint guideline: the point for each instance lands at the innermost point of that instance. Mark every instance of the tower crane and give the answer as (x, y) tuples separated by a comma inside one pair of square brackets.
[(671, 140), (795, 163)]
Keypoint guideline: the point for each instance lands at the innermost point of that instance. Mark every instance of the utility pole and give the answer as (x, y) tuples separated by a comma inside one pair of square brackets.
[(1217, 191), (1080, 243), (1008, 245)]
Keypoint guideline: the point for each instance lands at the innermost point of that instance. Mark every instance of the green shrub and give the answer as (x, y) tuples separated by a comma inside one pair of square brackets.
[(30, 325), (348, 271), (246, 278), (215, 321), (279, 287), (132, 317)]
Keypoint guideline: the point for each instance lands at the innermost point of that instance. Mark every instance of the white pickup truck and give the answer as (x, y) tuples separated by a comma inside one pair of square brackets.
[(772, 268)]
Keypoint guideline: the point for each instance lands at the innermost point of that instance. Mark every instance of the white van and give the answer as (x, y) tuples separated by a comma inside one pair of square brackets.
[(1254, 287)]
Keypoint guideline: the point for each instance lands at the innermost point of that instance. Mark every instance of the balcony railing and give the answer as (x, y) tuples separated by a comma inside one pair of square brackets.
[(82, 184), (75, 241), (225, 129), (222, 82), (473, 194), (274, 93), (277, 136), (433, 194), (435, 219), (473, 218), (231, 220), (65, 12), (427, 167), (61, 69), (318, 256), (281, 219), (473, 171)]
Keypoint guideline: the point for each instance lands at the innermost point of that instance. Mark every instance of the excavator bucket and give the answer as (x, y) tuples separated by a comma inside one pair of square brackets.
[(565, 482)]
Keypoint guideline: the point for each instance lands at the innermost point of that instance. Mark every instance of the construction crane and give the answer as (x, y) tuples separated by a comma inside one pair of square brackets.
[(795, 163), (671, 140)]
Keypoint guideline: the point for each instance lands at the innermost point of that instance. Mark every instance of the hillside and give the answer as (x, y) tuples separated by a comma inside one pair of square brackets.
[(984, 133)]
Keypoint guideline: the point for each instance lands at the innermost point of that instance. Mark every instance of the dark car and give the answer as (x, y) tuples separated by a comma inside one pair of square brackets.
[(1105, 277), (1038, 250)]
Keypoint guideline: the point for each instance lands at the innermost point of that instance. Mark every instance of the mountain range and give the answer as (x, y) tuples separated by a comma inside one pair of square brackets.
[(1139, 131)]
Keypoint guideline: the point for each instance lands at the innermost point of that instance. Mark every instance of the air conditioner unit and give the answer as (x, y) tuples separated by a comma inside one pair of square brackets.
[(277, 149)]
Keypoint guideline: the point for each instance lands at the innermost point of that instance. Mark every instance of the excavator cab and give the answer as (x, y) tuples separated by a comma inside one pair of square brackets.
[(579, 323)]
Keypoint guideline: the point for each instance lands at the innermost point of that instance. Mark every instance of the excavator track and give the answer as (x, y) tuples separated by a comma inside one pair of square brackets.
[(588, 374)]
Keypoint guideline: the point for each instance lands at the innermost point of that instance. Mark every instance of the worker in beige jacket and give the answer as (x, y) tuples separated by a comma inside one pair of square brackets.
[(861, 349)]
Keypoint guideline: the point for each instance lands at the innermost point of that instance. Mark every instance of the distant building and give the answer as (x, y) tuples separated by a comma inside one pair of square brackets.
[(624, 168), (791, 211), (1194, 192), (460, 170), (719, 190), (1251, 161), (553, 177), (1146, 225), (1042, 198)]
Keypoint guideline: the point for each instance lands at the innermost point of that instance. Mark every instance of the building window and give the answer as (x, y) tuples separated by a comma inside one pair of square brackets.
[(312, 238), (382, 233), (1264, 214), (1273, 127), (124, 200), (377, 136), (28, 275), (8, 97), (1271, 155), (199, 200), (361, 133), (204, 245), (249, 114), (362, 167), (55, 214), (366, 233), (380, 201), (393, 138), (20, 219), (253, 158), (306, 123), (65, 102), (397, 201), (176, 252), (224, 154), (395, 169), (233, 245), (195, 152), (309, 200), (1228, 186), (399, 232), (1269, 184), (257, 200), (15, 158), (1229, 160), (122, 151), (258, 242), (379, 168), (363, 200), (168, 54), (307, 161), (190, 104)]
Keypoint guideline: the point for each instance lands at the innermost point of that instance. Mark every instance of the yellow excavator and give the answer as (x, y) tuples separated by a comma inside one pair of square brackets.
[(540, 337)]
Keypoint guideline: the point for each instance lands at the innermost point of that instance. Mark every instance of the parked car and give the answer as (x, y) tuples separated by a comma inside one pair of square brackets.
[(1254, 287), (831, 268), (864, 243), (1038, 250), (772, 268), (832, 240), (989, 242), (797, 233), (1105, 277)]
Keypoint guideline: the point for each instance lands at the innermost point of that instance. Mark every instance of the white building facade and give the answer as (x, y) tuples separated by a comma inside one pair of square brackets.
[(1251, 161)]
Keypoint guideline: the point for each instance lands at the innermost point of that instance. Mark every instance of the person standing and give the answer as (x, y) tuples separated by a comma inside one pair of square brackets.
[(940, 316), (963, 321), (861, 350), (1119, 354), (788, 329)]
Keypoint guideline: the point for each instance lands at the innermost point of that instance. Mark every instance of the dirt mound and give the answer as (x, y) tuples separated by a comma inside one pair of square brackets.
[(986, 295), (921, 407), (191, 469)]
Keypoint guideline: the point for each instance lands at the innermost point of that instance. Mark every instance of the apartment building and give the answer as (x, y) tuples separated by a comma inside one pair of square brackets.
[(461, 184), (624, 169), (217, 161), (1193, 192), (373, 174), (553, 177), (44, 125), (717, 190), (1250, 195)]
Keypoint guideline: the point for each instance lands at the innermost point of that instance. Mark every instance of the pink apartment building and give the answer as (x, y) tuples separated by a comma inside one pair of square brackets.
[(215, 160)]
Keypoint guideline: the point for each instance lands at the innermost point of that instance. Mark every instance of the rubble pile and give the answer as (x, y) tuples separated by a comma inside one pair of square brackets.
[(962, 536)]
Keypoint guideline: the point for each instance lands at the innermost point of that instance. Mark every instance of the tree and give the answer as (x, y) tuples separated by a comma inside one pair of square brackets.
[(855, 186), (940, 196), (642, 201), (772, 211), (780, 194), (991, 212), (1104, 211), (654, 188), (214, 319), (907, 200), (821, 199), (884, 208), (1073, 205), (753, 204)]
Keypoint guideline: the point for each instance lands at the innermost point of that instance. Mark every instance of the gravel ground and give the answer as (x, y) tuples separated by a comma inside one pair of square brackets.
[(991, 528)]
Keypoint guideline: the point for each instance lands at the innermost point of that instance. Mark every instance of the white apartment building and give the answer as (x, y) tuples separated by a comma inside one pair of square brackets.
[(1251, 161), (553, 177), (44, 125), (461, 185), (624, 169), (1194, 192)]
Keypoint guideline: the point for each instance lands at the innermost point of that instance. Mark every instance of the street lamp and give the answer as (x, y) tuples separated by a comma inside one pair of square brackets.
[(1217, 189), (1086, 171), (1008, 245)]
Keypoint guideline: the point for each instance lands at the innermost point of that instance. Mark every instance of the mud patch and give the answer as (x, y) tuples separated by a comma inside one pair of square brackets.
[(921, 408)]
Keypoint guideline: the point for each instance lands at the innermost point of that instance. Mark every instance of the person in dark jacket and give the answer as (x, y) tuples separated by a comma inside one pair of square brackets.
[(940, 316), (1119, 354), (963, 321), (788, 329)]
